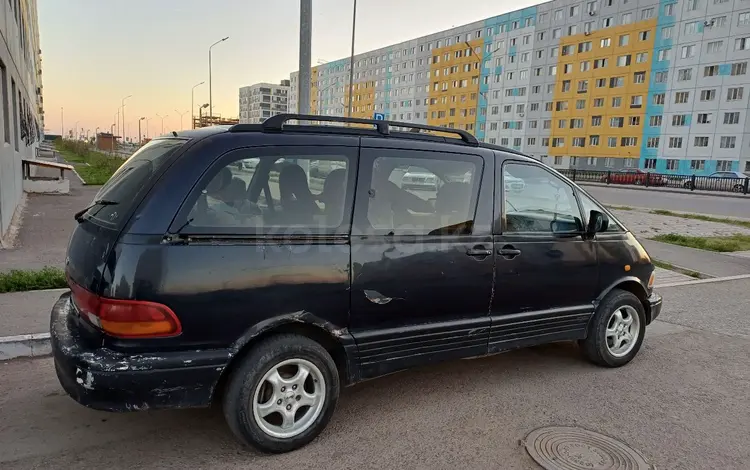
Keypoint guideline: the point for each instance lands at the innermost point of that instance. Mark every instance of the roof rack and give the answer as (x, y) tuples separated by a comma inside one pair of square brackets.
[(276, 124)]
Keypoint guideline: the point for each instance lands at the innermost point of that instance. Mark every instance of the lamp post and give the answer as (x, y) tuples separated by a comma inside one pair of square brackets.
[(181, 114), (139, 130), (147, 126), (210, 96), (192, 104), (123, 116), (200, 114), (62, 122), (87, 134), (96, 134), (75, 129), (112, 132), (162, 121), (351, 59)]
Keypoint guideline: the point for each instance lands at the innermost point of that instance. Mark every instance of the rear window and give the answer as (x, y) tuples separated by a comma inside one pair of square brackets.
[(130, 180)]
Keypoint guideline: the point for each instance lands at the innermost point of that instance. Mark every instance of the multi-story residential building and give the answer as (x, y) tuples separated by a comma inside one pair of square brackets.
[(261, 101), (21, 114), (603, 84)]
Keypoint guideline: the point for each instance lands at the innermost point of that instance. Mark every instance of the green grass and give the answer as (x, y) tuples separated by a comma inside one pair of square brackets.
[(662, 264), (736, 242), (23, 280), (621, 208), (94, 167), (707, 218)]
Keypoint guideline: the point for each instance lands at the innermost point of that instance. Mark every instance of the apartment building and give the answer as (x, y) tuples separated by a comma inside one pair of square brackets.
[(603, 84), (260, 101), (21, 105)]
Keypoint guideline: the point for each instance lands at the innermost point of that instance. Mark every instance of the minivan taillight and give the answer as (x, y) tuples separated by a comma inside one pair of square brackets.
[(126, 318)]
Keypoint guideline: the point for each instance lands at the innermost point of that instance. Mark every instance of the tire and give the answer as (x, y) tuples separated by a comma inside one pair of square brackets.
[(737, 188), (247, 386), (596, 347), (688, 185)]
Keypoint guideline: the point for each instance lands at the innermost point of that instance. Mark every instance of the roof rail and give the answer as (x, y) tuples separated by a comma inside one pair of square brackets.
[(276, 124)]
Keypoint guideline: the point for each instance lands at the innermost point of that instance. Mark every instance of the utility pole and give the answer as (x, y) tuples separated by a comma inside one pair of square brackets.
[(305, 55), (123, 116), (210, 90), (351, 59), (192, 105), (140, 139), (181, 114)]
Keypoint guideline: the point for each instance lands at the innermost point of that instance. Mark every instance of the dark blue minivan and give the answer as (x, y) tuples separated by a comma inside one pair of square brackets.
[(263, 267)]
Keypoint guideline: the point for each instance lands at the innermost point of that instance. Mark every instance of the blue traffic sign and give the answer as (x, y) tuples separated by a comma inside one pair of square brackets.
[(379, 117)]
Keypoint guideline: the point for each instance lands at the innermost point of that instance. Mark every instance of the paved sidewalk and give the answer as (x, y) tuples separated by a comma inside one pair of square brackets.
[(666, 276), (46, 227), (707, 262), (23, 313), (666, 190)]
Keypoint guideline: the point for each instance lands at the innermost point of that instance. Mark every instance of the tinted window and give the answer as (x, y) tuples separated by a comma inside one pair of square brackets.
[(423, 195), (272, 191), (538, 201), (127, 184)]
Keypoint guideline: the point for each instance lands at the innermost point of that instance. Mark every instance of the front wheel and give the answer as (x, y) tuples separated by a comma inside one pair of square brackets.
[(616, 331), (738, 188), (282, 395)]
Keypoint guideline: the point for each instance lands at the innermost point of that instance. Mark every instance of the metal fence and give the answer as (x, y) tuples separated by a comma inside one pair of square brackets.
[(649, 179)]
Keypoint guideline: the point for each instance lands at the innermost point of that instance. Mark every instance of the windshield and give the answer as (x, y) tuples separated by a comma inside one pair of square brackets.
[(126, 184)]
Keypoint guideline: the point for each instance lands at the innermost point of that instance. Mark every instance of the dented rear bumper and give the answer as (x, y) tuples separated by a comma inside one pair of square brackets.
[(107, 380)]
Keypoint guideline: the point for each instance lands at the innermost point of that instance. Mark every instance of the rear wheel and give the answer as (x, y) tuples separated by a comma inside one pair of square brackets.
[(616, 332), (282, 395), (737, 188)]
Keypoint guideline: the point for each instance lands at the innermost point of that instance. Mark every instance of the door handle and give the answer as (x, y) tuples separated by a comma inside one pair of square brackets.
[(479, 251), (508, 251)]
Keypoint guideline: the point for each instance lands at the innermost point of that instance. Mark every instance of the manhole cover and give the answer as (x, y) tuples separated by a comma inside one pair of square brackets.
[(571, 448)]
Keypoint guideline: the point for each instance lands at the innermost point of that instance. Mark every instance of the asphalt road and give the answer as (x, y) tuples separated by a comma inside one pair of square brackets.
[(684, 402), (654, 199)]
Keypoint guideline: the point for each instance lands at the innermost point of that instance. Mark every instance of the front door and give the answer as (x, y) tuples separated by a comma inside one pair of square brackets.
[(422, 262), (546, 267)]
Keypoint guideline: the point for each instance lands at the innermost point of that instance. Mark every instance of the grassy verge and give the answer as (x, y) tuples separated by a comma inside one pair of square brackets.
[(620, 208), (736, 242), (94, 167), (24, 280), (707, 218), (670, 267)]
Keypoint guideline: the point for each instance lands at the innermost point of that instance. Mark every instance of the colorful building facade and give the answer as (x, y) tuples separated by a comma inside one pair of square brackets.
[(604, 84)]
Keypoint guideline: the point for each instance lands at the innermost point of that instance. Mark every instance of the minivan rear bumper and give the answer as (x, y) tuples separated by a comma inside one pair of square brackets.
[(107, 380)]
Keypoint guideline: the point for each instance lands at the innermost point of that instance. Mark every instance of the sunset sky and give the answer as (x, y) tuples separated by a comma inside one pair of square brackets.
[(95, 52)]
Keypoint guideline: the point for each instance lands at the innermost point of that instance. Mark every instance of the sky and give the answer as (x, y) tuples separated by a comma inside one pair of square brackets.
[(96, 52)]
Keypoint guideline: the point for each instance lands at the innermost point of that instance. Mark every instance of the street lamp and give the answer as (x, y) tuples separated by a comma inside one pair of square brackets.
[(210, 96), (192, 104), (200, 114), (181, 114), (123, 116), (162, 121), (112, 132), (147, 126), (75, 129), (139, 130)]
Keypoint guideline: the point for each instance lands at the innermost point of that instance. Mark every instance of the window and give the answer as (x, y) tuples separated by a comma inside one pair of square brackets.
[(616, 122), (624, 40), (675, 142), (529, 211), (585, 65), (611, 142), (605, 42), (704, 118), (6, 106), (649, 163), (579, 141), (598, 102), (584, 47), (568, 68), (743, 19), (623, 60), (661, 77), (701, 142), (647, 13), (734, 94), (655, 121), (572, 29), (600, 63), (664, 54), (558, 160), (658, 98), (739, 68), (643, 36), (692, 5), (673, 164), (422, 177), (669, 9), (636, 101), (596, 121), (688, 51), (697, 164), (576, 123), (679, 119), (681, 97), (711, 71), (562, 123), (714, 46), (684, 74), (627, 18), (639, 77), (558, 142), (583, 86), (708, 95), (634, 120), (594, 140), (741, 44), (580, 104), (652, 142), (556, 33), (718, 22), (666, 32), (629, 141), (616, 82), (732, 118), (727, 142), (641, 57)]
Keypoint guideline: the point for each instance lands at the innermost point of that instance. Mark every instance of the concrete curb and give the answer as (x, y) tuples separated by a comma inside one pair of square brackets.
[(36, 345), (663, 190)]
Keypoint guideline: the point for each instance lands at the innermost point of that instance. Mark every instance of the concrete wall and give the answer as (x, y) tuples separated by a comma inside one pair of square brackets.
[(19, 49)]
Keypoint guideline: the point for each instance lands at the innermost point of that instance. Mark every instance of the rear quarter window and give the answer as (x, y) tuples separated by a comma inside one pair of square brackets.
[(128, 183)]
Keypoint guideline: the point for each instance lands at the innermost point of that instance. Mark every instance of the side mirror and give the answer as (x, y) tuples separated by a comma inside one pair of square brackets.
[(598, 222)]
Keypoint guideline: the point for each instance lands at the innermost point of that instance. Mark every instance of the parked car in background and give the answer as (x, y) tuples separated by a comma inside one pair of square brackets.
[(720, 180), (633, 176), (419, 179), (512, 183)]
